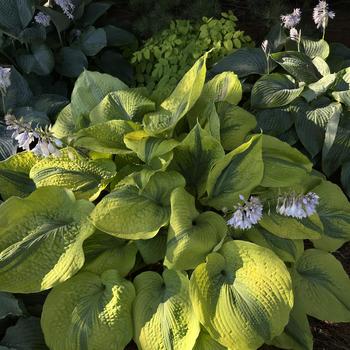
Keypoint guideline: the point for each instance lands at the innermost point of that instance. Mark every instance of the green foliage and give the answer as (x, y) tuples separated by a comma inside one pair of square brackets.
[(128, 227)]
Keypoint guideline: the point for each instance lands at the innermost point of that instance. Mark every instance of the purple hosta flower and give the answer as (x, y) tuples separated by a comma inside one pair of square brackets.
[(294, 34), (321, 14), (292, 19), (247, 214), (297, 206), (47, 143), (66, 6), (5, 81), (22, 131), (42, 19), (24, 139)]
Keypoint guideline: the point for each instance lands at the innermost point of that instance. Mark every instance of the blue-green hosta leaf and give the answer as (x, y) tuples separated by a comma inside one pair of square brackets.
[(242, 295), (322, 286), (9, 306), (8, 146), (26, 334), (314, 48), (334, 213), (163, 313), (288, 250), (41, 239), (105, 252), (318, 88), (106, 137), (89, 312), (274, 90), (237, 173), (283, 164), (205, 341), (122, 104), (195, 156), (138, 207), (86, 178), (182, 99), (65, 124), (94, 11), (92, 41), (71, 62), (14, 175), (298, 65), (345, 177), (192, 235), (153, 250)]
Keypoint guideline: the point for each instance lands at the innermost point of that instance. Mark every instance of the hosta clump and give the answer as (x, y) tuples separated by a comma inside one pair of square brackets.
[(132, 224)]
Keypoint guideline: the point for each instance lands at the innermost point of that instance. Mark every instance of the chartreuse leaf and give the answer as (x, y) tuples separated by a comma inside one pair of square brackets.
[(14, 175), (105, 252), (288, 250), (283, 164), (322, 286), (274, 90), (49, 227), (86, 178), (242, 295), (195, 156), (89, 312), (163, 313), (179, 102), (137, 209), (205, 341), (192, 235), (9, 306), (122, 104), (65, 124), (153, 250), (334, 212), (106, 137), (237, 173)]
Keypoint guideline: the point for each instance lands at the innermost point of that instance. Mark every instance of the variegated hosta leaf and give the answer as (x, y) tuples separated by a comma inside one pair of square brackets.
[(334, 213), (153, 250), (274, 90), (318, 88), (237, 173), (89, 312), (163, 313), (195, 156), (41, 239), (106, 137), (242, 295), (205, 341), (192, 235), (321, 66), (65, 124), (137, 209), (179, 102), (122, 104), (86, 178), (105, 252), (283, 164), (322, 286), (14, 175), (314, 48)]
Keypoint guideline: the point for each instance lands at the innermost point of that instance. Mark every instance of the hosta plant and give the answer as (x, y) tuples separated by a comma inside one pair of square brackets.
[(174, 226)]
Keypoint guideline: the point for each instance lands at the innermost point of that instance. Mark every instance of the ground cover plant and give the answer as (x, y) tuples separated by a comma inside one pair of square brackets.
[(176, 225)]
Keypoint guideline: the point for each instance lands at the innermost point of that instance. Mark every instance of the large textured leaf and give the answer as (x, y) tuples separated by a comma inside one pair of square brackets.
[(205, 341), (314, 49), (139, 208), (14, 175), (65, 124), (179, 102), (122, 104), (106, 137), (163, 314), (153, 250), (71, 62), (274, 90), (8, 146), (9, 306), (195, 156), (322, 286), (242, 295), (89, 312), (16, 15), (318, 88), (86, 178), (192, 235), (237, 173), (283, 164), (41, 239), (92, 41)]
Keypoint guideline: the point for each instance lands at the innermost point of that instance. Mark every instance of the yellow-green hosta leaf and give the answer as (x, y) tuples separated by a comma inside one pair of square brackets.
[(206, 342), (14, 175), (322, 286), (106, 137), (192, 235), (105, 252), (195, 156), (122, 104), (86, 178), (237, 173), (163, 313), (89, 312), (242, 295), (179, 102), (139, 208), (65, 124), (283, 164), (334, 213), (41, 238), (153, 250)]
